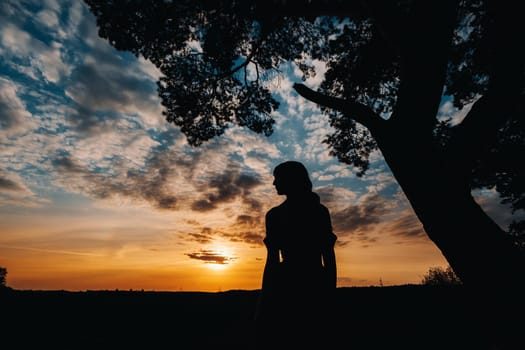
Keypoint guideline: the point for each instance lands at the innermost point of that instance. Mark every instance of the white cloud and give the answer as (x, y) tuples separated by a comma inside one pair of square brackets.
[(105, 81), (76, 14), (47, 18), (333, 172), (41, 57), (15, 120), (490, 201), (447, 110), (379, 179), (53, 5), (146, 68), (121, 141)]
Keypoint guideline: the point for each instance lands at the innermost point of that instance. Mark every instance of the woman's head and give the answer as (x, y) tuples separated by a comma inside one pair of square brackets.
[(291, 177)]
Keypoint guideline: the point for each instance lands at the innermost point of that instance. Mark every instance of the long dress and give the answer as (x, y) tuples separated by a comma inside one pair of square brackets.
[(296, 297)]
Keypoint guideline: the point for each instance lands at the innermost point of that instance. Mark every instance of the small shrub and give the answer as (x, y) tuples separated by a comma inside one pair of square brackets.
[(439, 276), (3, 275)]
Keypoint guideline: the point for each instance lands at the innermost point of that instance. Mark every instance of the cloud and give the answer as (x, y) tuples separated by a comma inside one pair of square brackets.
[(15, 120), (406, 225), (211, 257), (249, 228), (491, 202), (149, 186), (204, 237), (14, 191), (48, 18), (362, 217), (245, 228), (225, 187), (9, 185), (121, 139), (38, 57), (332, 172), (12, 183), (108, 87), (250, 237), (103, 83), (336, 198), (378, 178), (448, 111), (168, 179)]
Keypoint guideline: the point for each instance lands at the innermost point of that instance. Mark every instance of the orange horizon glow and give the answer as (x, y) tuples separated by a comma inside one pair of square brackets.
[(136, 268)]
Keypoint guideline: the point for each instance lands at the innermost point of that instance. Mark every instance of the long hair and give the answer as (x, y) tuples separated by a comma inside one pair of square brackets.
[(295, 175)]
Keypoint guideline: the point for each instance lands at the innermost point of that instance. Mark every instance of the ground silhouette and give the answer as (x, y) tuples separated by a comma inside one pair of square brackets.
[(391, 317)]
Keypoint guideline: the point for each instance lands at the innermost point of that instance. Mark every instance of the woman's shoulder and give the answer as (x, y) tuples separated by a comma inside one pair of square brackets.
[(276, 211), (324, 208)]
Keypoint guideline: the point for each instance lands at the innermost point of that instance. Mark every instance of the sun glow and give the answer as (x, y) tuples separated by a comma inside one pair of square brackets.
[(217, 266)]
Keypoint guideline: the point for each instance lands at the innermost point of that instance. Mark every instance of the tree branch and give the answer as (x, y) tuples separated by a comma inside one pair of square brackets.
[(504, 99), (244, 64), (359, 112), (477, 133), (425, 39)]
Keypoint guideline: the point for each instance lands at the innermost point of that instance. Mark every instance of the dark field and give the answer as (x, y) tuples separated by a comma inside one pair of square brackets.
[(399, 317)]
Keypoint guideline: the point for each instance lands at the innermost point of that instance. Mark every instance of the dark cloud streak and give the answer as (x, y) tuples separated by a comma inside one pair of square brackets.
[(406, 225), (211, 257), (361, 218), (149, 186), (225, 188), (10, 185)]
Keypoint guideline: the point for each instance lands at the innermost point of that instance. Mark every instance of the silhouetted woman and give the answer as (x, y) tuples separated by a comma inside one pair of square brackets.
[(299, 277)]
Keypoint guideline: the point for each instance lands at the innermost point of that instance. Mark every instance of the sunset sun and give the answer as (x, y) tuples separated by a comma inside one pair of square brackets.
[(217, 266)]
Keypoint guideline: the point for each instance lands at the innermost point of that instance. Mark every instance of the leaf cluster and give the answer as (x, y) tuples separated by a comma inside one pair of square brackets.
[(214, 56)]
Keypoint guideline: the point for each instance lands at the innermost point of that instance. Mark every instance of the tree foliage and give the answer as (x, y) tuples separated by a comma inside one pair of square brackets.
[(215, 57)]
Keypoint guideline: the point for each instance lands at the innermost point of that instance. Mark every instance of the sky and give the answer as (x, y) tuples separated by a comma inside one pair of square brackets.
[(99, 192)]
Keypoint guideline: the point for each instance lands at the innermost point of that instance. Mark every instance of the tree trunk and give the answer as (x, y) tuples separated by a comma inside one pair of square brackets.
[(490, 265), (437, 185), (479, 251)]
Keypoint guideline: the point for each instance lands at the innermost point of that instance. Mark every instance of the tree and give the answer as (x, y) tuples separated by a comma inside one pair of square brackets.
[(389, 64), (439, 276)]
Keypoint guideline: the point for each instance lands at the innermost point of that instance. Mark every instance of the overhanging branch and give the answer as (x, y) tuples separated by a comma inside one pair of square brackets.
[(244, 64), (359, 112)]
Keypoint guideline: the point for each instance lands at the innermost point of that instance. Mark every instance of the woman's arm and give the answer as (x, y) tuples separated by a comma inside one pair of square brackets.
[(328, 252), (272, 254), (270, 268), (330, 267)]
